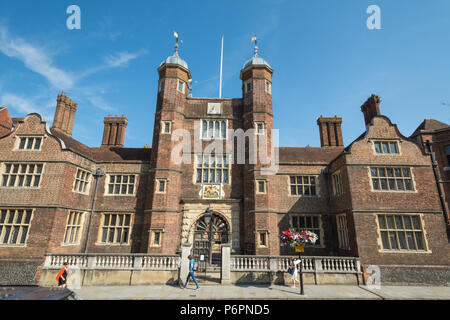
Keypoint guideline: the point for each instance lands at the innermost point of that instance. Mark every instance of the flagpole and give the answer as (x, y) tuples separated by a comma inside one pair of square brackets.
[(221, 65)]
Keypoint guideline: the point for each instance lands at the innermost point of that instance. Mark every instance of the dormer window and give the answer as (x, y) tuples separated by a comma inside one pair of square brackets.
[(386, 147), (29, 143)]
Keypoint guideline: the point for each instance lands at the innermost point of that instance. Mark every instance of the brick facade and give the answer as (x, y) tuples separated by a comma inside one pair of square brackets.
[(166, 196)]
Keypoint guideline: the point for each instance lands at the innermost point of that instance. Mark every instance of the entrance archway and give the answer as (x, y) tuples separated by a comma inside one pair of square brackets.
[(219, 230)]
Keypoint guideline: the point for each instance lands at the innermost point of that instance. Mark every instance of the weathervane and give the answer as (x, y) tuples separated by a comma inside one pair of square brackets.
[(255, 40), (175, 34)]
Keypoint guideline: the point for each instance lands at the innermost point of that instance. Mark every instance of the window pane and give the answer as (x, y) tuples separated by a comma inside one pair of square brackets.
[(390, 172), (124, 189), (393, 146), (106, 222), (382, 172), (225, 176), (36, 181), (2, 216), (110, 188), (24, 235), (205, 175), (127, 220), (211, 175), (19, 216), (37, 145), (407, 222), (373, 172), (204, 129), (30, 168), (132, 178), (392, 184), (376, 184), (111, 179), (15, 234), (12, 181), (416, 223), (28, 217), (313, 190), (384, 240), (6, 234), (119, 234), (8, 168), (299, 190), (30, 143), (381, 222), (104, 233), (224, 129), (5, 180), (306, 190), (292, 180), (111, 235), (385, 147), (405, 172), (125, 235), (113, 220), (400, 185), (410, 239), (293, 190), (39, 168), (377, 147), (393, 238), (305, 180), (383, 183), (312, 180), (294, 222), (22, 143), (390, 222), (315, 222), (397, 172), (308, 222), (211, 129), (21, 178), (219, 176), (301, 222), (130, 189), (117, 189), (398, 222), (419, 241), (402, 240), (408, 184)]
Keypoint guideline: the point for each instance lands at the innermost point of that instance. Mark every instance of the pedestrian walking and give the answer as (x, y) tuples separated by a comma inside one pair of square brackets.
[(62, 276), (192, 269), (293, 271)]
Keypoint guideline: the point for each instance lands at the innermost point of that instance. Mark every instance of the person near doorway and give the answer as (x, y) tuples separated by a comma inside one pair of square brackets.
[(62, 276), (192, 269), (293, 271)]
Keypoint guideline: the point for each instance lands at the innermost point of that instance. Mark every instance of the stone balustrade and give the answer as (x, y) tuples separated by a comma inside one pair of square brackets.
[(310, 264), (114, 261)]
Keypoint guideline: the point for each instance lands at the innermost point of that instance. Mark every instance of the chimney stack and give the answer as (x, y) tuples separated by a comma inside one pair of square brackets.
[(371, 108), (330, 131), (64, 114), (114, 131), (5, 122)]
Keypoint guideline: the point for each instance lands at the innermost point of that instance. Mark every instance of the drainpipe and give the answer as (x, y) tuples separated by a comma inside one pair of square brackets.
[(438, 182), (98, 173)]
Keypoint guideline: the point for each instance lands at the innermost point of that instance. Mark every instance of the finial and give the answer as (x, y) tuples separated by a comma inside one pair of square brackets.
[(175, 34), (255, 40)]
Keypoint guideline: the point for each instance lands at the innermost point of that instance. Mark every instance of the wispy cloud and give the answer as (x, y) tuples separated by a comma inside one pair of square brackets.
[(35, 59), (23, 105)]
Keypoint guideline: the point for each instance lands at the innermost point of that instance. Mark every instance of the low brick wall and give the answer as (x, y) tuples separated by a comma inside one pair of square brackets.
[(415, 275)]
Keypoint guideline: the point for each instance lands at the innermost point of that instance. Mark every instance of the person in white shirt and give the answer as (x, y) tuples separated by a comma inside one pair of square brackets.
[(293, 267)]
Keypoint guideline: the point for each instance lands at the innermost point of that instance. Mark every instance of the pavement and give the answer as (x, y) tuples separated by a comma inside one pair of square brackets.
[(253, 292), (34, 293)]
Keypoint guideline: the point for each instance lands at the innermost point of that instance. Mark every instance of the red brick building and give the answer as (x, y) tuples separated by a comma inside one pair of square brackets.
[(376, 198)]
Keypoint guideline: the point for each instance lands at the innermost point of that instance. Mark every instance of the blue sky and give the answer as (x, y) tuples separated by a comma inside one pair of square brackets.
[(325, 60)]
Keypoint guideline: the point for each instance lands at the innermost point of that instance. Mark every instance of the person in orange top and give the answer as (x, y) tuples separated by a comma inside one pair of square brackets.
[(62, 276)]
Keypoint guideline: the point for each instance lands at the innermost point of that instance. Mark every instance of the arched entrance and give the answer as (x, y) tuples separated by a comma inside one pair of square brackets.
[(218, 231)]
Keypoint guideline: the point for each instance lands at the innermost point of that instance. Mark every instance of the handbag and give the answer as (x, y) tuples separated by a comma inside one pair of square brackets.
[(290, 271)]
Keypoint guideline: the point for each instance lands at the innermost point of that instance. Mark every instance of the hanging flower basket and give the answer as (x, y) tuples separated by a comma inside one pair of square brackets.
[(294, 238)]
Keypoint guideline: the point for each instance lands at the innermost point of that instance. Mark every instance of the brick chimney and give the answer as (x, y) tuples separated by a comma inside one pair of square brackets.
[(5, 122), (64, 114), (330, 131), (371, 108), (114, 131)]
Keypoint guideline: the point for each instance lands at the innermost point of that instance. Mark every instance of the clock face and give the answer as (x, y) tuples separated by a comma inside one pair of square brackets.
[(214, 108)]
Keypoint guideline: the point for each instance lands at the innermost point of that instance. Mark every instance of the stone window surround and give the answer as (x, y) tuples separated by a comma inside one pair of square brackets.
[(342, 231), (86, 181), (107, 179), (158, 183), (257, 182), (80, 226), (101, 226), (317, 184), (426, 250), (264, 232), (336, 180), (23, 245), (256, 122), (3, 172), (153, 231), (28, 136), (269, 84), (194, 178), (246, 88), (397, 141), (183, 84), (214, 121), (163, 126), (321, 230), (413, 183)]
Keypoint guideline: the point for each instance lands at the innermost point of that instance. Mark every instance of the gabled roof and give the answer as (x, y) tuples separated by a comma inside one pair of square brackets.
[(430, 125), (103, 153)]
